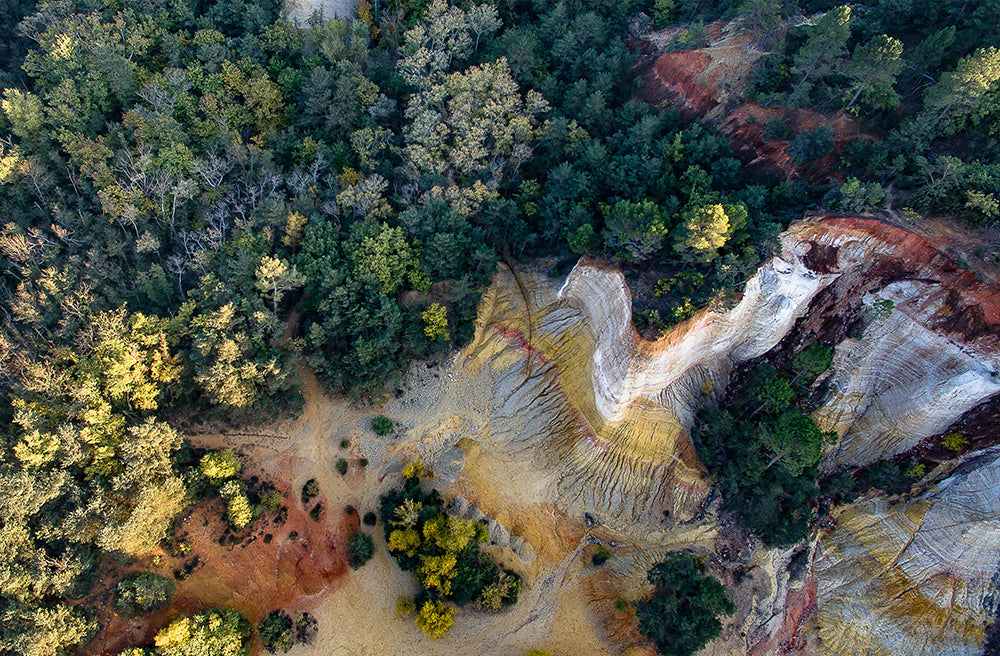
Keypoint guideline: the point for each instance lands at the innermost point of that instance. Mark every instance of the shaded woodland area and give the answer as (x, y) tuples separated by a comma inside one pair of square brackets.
[(199, 198)]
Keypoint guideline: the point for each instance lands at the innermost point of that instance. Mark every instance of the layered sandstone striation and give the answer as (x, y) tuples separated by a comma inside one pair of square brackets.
[(923, 346), (916, 577), (558, 380), (558, 413)]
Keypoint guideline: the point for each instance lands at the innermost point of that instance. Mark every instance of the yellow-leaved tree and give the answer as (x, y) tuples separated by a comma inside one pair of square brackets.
[(435, 619)]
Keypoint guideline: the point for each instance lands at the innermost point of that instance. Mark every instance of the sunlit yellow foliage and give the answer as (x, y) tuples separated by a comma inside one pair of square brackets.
[(435, 619), (36, 449), (954, 442), (435, 319), (146, 525), (349, 177), (407, 514), (219, 465), (294, 225), (449, 533), (413, 469), (9, 163), (239, 511), (176, 633), (497, 592), (405, 540), (436, 572)]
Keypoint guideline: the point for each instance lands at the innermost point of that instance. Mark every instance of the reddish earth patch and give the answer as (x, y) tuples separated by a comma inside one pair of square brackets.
[(619, 619), (246, 570), (745, 127), (709, 82), (968, 296), (971, 308), (790, 639), (673, 79)]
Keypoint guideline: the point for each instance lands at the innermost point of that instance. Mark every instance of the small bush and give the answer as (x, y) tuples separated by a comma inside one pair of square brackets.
[(954, 442), (501, 592), (381, 425), (306, 627), (344, 444), (435, 619), (370, 519), (238, 508), (360, 550), (270, 501), (363, 462), (217, 466), (405, 607), (276, 631), (341, 466), (140, 593), (316, 512), (310, 491), (349, 509), (413, 470), (601, 555), (239, 511)]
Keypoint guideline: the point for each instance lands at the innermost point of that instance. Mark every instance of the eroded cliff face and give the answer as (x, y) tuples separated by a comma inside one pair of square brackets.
[(600, 415), (922, 347), (559, 408), (564, 370), (916, 577)]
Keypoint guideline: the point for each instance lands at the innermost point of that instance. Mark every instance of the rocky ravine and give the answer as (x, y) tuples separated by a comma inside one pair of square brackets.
[(559, 403)]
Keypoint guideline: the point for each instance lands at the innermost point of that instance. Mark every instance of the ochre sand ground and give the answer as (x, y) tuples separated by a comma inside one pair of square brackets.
[(560, 608)]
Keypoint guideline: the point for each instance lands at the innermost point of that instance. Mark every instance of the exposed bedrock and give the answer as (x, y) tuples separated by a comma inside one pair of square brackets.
[(922, 344), (914, 578), (560, 406), (558, 381)]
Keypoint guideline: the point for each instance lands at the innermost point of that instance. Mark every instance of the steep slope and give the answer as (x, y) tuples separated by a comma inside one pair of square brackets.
[(915, 577), (558, 380), (591, 418), (924, 346), (709, 83)]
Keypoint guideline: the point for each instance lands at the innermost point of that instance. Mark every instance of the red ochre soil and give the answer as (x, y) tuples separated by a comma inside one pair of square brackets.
[(790, 639), (928, 251), (250, 575), (709, 82)]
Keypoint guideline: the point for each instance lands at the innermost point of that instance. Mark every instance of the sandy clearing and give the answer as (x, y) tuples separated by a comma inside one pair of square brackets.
[(357, 614)]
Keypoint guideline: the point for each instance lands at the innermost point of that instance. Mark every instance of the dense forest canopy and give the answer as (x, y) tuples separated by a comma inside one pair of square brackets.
[(200, 197)]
